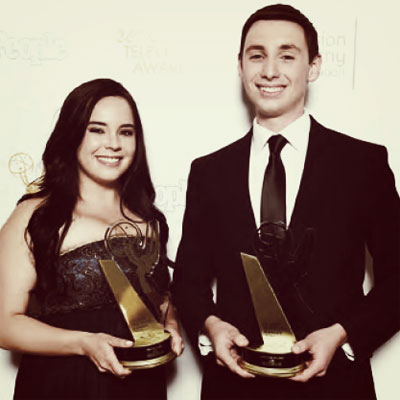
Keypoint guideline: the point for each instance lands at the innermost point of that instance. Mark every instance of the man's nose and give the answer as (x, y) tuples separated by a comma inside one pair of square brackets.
[(270, 68)]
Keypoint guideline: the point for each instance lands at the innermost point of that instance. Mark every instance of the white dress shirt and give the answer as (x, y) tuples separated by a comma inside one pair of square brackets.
[(293, 156)]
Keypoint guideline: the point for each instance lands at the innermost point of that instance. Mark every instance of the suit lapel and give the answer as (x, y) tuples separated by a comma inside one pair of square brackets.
[(306, 199), (237, 181)]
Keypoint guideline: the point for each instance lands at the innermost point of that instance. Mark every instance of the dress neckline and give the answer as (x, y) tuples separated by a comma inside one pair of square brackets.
[(94, 242), (79, 247)]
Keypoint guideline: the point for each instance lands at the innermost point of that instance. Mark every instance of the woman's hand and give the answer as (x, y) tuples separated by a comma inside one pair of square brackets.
[(171, 325), (99, 347)]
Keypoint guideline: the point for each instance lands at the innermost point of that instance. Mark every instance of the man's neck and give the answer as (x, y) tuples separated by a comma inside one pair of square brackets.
[(278, 124)]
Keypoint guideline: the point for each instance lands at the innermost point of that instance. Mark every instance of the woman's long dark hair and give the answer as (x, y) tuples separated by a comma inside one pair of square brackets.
[(59, 186)]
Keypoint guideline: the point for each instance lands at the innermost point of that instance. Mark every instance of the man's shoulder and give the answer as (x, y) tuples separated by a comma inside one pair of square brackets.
[(343, 142), (226, 154)]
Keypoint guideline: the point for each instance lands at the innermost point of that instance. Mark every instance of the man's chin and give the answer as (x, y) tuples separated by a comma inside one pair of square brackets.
[(268, 114)]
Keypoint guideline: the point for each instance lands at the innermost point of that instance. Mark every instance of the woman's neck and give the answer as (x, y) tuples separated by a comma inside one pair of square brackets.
[(98, 198)]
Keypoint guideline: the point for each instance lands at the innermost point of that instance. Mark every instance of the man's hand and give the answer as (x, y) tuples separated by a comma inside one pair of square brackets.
[(322, 345), (224, 338)]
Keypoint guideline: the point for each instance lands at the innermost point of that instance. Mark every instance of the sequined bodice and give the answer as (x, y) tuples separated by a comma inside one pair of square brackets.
[(80, 281)]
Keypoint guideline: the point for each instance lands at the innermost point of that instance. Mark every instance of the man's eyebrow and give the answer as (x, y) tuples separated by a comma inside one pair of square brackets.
[(255, 47), (281, 47), (289, 47)]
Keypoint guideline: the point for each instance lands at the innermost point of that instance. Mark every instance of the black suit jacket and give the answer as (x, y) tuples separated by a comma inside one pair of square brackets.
[(347, 195)]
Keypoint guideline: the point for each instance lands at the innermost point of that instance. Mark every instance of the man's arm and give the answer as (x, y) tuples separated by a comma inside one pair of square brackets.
[(372, 321), (191, 288), (193, 275), (376, 318)]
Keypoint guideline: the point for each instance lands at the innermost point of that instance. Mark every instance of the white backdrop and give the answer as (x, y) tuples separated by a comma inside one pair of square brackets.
[(178, 58)]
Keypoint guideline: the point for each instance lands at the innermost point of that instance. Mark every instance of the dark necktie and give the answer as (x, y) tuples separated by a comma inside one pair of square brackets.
[(273, 200)]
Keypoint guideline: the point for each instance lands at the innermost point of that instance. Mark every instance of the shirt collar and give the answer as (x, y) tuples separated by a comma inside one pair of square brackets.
[(296, 133)]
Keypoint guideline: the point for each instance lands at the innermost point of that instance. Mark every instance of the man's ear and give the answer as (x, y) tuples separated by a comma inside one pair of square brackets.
[(315, 68), (240, 70)]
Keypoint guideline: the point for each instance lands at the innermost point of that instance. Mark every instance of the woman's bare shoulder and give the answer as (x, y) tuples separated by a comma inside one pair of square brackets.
[(29, 206), (21, 215)]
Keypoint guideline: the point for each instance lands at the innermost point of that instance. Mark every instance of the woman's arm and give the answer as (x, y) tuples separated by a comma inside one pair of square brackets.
[(19, 332), (171, 325)]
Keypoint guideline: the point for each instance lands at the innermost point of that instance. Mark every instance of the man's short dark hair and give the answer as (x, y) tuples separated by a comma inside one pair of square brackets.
[(285, 13)]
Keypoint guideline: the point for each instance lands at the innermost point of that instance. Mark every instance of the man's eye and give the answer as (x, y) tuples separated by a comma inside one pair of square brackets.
[(287, 57), (255, 57)]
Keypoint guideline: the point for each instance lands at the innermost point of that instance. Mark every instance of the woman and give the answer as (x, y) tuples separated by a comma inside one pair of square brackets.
[(55, 303)]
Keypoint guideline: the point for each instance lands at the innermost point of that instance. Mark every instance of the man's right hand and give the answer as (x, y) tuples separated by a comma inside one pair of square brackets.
[(225, 338)]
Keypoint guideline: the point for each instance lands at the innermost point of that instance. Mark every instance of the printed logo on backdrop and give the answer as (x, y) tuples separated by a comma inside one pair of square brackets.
[(35, 49), (171, 197), (22, 166), (338, 49), (146, 54)]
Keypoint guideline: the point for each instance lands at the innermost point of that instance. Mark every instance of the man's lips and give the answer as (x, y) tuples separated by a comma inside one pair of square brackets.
[(271, 90)]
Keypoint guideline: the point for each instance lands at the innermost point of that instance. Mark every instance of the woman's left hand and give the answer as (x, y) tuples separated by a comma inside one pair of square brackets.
[(171, 325), (177, 345)]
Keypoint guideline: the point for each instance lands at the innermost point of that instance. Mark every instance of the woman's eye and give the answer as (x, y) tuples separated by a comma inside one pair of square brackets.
[(127, 133), (96, 130)]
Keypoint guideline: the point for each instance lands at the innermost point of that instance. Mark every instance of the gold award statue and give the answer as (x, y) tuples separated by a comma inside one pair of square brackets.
[(151, 342), (19, 164), (273, 276)]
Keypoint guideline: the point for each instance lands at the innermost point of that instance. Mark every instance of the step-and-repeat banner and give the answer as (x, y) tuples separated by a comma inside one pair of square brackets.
[(179, 60)]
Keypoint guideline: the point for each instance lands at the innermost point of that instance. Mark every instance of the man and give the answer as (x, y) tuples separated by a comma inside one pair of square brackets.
[(340, 187)]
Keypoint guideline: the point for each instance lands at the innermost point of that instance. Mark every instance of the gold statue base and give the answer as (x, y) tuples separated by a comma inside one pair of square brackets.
[(147, 355), (271, 372), (267, 364), (273, 358)]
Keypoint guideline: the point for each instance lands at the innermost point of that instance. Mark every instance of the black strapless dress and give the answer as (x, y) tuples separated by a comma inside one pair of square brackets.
[(83, 301)]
